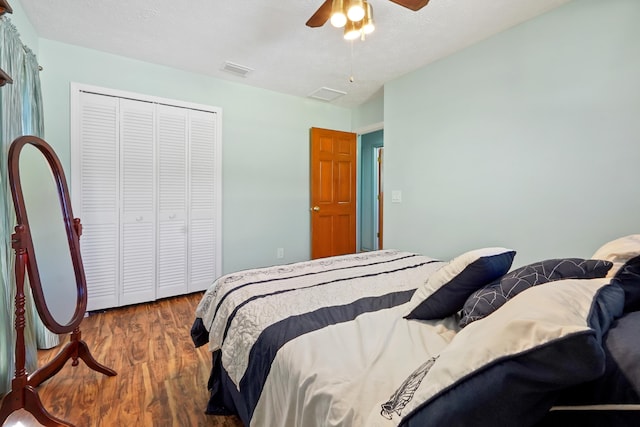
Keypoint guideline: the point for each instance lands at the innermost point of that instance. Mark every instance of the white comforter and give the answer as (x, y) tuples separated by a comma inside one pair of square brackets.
[(325, 343)]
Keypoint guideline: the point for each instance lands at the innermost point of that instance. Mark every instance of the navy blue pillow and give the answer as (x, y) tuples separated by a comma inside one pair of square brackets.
[(488, 299), (629, 279), (446, 290)]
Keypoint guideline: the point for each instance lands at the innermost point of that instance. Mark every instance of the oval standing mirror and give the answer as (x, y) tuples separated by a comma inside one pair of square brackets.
[(53, 259), (51, 256), (46, 243)]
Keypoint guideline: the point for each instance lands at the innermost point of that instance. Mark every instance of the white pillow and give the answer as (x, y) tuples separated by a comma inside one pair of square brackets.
[(619, 251)]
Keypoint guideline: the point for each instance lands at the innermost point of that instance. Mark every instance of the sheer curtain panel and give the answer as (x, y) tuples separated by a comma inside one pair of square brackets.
[(20, 114)]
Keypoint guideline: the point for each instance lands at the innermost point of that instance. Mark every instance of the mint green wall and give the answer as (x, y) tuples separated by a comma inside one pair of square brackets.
[(527, 139), (369, 113), (530, 139), (265, 144)]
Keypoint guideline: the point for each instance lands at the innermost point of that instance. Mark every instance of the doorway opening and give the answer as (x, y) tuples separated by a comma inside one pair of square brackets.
[(371, 194)]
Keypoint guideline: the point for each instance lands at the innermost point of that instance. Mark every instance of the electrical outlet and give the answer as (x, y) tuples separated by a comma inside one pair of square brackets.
[(280, 253)]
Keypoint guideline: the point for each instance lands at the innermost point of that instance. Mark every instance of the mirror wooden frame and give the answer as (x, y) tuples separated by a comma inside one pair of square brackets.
[(23, 392)]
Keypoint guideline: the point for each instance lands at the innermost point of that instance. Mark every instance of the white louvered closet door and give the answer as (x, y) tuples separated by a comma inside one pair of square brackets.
[(172, 201), (146, 183), (203, 200), (137, 206), (96, 186)]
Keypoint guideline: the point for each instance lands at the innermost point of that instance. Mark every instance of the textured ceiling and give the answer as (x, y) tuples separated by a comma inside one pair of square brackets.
[(271, 37)]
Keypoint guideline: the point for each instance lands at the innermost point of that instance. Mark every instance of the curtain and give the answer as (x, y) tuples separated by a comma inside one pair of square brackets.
[(20, 114), (33, 117)]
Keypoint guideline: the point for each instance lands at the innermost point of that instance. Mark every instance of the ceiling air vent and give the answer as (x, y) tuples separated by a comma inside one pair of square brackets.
[(237, 69), (327, 94)]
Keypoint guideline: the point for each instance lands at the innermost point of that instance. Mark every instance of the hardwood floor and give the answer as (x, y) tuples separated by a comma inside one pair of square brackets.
[(161, 381)]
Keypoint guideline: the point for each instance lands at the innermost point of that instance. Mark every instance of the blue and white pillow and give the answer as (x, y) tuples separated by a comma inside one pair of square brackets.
[(446, 290), (485, 301), (511, 366), (624, 253), (619, 251)]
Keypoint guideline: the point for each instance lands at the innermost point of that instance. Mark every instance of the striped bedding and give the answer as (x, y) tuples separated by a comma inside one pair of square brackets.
[(326, 343)]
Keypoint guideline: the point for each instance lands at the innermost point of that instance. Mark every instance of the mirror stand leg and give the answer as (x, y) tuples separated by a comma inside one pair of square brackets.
[(82, 352), (22, 394), (74, 350), (26, 397), (11, 403), (51, 368), (33, 405)]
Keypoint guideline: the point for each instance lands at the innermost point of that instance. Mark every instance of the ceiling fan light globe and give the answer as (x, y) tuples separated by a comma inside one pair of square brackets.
[(355, 10), (352, 30), (338, 17), (351, 35), (355, 14), (338, 20), (368, 25), (368, 28)]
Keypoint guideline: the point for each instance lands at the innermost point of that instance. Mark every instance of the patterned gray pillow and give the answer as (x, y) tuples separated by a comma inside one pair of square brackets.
[(491, 297)]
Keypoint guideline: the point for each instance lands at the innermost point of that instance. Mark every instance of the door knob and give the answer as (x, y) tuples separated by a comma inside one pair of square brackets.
[(315, 208)]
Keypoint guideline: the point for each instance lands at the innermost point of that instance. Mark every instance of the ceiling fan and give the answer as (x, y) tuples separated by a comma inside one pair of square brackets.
[(323, 13)]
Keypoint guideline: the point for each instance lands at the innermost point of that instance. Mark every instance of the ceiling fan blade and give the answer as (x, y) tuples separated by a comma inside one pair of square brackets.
[(412, 4), (321, 16)]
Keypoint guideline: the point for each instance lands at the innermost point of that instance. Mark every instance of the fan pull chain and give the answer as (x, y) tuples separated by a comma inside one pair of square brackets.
[(351, 78)]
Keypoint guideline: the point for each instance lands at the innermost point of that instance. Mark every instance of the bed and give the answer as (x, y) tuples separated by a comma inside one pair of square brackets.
[(394, 338)]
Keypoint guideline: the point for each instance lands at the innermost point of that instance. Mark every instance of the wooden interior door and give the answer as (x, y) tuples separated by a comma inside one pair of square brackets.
[(333, 193)]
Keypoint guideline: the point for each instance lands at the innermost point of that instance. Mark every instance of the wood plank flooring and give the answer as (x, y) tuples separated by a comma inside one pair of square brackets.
[(161, 381)]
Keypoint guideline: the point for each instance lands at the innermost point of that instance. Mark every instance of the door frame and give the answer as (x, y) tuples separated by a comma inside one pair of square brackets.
[(379, 194), (360, 207)]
